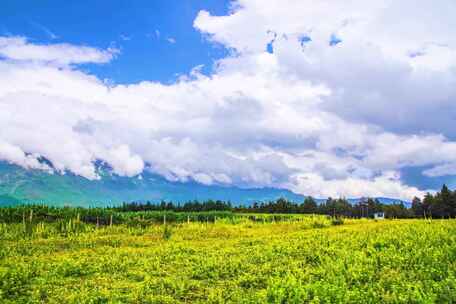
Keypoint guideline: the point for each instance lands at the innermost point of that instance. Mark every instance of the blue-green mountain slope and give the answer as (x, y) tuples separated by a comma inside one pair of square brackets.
[(19, 185)]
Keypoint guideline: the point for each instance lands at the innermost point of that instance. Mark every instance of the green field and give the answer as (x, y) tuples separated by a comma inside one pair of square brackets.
[(308, 259)]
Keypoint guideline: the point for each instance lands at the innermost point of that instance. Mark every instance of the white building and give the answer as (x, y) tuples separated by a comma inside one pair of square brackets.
[(379, 215)]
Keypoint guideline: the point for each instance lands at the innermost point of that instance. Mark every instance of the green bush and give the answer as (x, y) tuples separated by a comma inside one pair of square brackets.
[(167, 232), (337, 221)]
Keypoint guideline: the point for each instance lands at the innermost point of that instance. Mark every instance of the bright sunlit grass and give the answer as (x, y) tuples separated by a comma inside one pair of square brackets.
[(288, 262)]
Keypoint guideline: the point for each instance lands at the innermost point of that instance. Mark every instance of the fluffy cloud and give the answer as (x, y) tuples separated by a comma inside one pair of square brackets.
[(315, 116), (17, 48), (388, 184), (385, 59), (16, 156)]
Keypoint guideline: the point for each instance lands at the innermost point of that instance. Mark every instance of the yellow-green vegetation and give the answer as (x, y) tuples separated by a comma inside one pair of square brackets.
[(311, 259)]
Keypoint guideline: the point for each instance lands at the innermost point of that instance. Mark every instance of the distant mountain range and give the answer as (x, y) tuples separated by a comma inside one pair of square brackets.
[(19, 185)]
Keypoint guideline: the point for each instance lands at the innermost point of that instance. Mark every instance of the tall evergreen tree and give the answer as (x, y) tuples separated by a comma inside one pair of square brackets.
[(417, 207), (309, 205)]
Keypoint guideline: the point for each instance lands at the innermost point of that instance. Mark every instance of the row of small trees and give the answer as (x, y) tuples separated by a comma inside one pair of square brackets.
[(332, 207), (441, 205), (191, 206)]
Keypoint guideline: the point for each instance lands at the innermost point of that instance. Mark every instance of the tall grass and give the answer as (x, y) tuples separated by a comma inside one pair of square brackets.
[(301, 260)]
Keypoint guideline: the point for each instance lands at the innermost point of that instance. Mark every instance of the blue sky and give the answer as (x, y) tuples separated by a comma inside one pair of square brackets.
[(414, 176), (140, 29), (325, 98)]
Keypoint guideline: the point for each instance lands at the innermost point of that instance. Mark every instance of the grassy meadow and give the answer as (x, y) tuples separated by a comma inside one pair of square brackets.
[(299, 259)]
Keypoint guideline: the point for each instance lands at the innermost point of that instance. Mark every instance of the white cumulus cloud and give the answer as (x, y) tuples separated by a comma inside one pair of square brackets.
[(317, 117), (18, 48)]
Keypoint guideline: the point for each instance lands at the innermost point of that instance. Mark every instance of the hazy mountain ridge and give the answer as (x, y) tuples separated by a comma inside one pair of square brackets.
[(19, 185)]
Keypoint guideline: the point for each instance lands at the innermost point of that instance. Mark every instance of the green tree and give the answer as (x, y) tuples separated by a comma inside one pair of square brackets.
[(417, 207), (428, 203), (309, 205)]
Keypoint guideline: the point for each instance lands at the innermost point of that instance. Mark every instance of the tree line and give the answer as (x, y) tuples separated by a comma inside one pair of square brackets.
[(439, 205), (191, 206), (331, 207), (442, 204), (334, 207)]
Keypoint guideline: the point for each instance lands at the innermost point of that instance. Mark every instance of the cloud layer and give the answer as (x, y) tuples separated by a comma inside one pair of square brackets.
[(325, 98)]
